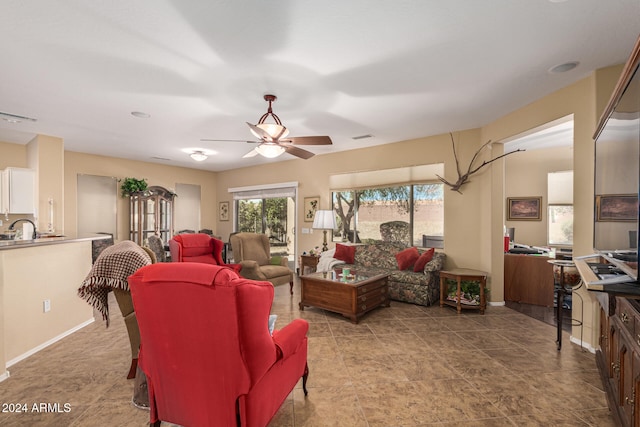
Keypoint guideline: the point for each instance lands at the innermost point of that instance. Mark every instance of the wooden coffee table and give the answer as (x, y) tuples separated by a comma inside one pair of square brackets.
[(351, 296)]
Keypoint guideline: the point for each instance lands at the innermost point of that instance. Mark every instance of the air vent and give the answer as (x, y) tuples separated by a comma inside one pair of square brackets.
[(13, 118), (362, 137), (161, 158)]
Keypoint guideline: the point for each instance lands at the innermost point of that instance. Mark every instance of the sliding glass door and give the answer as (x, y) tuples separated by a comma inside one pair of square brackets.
[(271, 216)]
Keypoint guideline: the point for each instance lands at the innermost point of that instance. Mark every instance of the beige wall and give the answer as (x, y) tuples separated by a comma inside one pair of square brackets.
[(155, 174), (46, 157), (25, 284), (461, 225), (585, 100), (12, 155), (526, 176), (473, 220)]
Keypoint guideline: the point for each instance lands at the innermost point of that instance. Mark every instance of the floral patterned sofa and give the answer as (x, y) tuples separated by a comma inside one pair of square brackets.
[(422, 288)]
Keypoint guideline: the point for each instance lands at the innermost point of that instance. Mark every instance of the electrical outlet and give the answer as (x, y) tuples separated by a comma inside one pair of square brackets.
[(46, 305)]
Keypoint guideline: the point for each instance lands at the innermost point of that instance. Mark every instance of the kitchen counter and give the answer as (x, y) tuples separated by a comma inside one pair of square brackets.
[(49, 240), (39, 303)]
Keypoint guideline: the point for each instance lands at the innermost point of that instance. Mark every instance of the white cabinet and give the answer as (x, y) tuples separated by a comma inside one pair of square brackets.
[(18, 191)]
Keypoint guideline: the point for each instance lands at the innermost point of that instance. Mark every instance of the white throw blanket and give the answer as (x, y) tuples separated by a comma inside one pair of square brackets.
[(327, 261)]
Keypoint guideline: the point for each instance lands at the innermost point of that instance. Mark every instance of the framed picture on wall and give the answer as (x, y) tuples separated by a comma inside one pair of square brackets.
[(310, 207), (223, 213), (617, 207), (524, 208)]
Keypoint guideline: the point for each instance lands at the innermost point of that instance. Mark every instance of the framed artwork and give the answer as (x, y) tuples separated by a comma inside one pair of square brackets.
[(310, 207), (524, 208), (223, 212), (617, 207)]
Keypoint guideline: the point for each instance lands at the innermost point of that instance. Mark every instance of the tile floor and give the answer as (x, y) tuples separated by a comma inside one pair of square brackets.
[(404, 365)]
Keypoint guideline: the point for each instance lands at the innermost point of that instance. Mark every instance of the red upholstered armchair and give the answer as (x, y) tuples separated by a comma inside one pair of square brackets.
[(206, 348), (198, 247)]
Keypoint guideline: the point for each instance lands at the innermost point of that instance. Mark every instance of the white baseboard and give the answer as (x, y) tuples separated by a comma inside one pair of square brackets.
[(4, 376), (47, 344), (496, 304), (584, 345)]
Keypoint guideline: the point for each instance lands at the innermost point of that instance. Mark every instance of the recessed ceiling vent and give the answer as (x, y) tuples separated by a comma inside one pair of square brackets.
[(161, 158), (13, 118), (362, 137)]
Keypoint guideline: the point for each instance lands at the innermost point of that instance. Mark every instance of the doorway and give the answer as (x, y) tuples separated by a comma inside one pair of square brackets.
[(271, 210), (542, 172), (271, 216)]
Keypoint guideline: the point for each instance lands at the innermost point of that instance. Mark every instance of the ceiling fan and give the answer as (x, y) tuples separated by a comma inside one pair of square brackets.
[(273, 139)]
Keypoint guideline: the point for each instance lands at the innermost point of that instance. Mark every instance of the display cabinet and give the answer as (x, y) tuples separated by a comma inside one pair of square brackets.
[(151, 213)]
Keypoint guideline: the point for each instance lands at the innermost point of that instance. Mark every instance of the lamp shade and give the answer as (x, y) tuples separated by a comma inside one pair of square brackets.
[(324, 220), (269, 150), (275, 131)]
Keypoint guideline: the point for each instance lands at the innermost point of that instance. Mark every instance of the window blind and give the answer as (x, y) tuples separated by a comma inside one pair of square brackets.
[(369, 179), (560, 188), (265, 191)]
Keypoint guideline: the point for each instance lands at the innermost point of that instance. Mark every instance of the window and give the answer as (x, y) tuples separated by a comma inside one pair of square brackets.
[(268, 209), (560, 208), (560, 225), (405, 212)]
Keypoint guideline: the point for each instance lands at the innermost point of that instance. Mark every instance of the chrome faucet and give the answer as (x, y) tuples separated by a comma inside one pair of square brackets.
[(24, 219)]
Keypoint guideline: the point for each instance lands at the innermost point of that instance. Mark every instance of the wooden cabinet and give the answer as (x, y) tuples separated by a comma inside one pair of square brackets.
[(151, 213), (528, 279), (618, 358), (352, 298), (18, 191)]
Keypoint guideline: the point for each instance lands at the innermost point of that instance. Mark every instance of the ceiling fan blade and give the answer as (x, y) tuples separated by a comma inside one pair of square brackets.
[(298, 152), (230, 140), (260, 132), (309, 140), (251, 153)]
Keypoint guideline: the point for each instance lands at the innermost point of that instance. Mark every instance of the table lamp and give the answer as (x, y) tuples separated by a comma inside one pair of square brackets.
[(324, 220)]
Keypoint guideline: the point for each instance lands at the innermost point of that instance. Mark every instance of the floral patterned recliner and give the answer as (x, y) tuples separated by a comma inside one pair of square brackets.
[(422, 288)]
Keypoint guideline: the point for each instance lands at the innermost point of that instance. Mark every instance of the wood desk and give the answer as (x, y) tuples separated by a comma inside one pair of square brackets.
[(460, 274), (528, 279)]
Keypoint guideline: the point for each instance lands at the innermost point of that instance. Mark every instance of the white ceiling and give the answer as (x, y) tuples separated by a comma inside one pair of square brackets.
[(393, 69)]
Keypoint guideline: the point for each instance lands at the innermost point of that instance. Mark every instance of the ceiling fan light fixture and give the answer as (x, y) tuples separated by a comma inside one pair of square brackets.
[(198, 156), (269, 150), (274, 130)]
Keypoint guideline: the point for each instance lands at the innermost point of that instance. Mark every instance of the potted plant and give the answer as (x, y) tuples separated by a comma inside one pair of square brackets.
[(131, 186), (469, 291)]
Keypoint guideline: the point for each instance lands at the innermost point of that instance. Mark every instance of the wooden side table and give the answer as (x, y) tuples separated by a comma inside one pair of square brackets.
[(308, 261), (460, 274)]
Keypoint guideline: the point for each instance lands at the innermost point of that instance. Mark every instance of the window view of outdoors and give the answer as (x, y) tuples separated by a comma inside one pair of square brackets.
[(428, 211), (560, 225), (268, 216), (390, 213)]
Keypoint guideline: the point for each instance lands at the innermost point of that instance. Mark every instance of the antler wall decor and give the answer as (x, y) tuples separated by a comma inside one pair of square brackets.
[(462, 179)]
